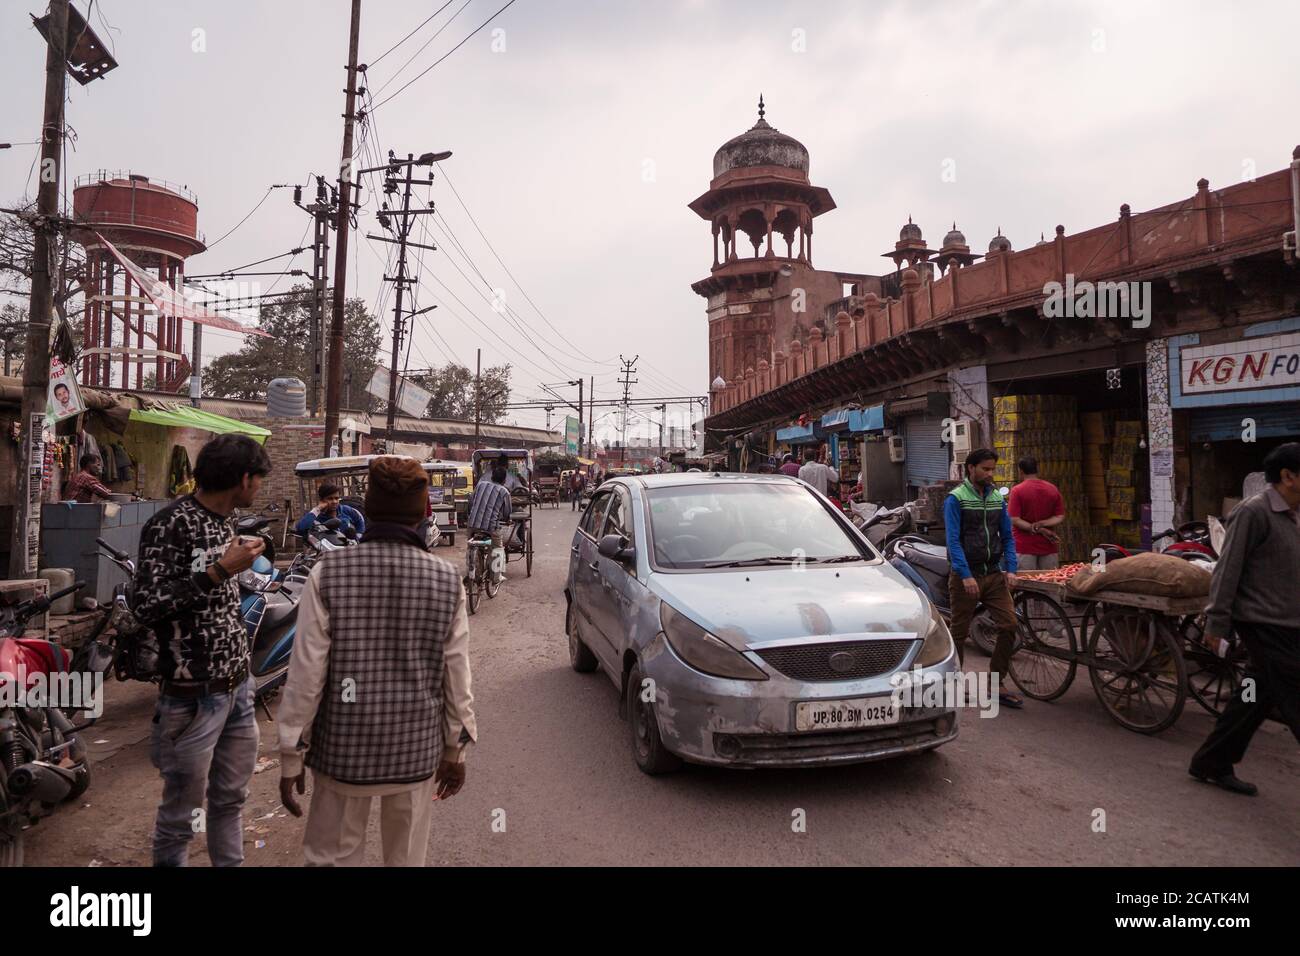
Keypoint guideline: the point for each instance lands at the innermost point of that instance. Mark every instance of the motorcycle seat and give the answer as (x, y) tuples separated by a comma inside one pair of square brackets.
[(931, 557)]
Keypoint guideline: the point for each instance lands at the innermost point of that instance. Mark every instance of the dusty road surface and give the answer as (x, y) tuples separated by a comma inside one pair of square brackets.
[(552, 780)]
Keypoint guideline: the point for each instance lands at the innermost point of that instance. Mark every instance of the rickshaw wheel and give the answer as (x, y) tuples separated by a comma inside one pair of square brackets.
[(528, 549), (1137, 669)]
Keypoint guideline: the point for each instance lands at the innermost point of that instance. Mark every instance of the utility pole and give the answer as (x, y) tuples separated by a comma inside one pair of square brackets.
[(663, 413), (478, 391), (591, 415), (334, 384), (321, 211), (24, 543), (628, 382), (403, 242)]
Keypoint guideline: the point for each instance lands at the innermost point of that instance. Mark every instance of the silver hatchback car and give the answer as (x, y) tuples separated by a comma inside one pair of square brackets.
[(747, 623)]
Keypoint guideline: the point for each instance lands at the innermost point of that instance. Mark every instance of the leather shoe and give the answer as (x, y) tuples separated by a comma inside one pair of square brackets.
[(1228, 781)]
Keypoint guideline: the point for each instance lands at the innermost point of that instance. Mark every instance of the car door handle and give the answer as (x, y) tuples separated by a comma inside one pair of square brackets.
[(594, 566), (574, 549)]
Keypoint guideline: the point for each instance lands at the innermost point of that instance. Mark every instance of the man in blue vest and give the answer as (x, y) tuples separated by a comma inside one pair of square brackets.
[(982, 557)]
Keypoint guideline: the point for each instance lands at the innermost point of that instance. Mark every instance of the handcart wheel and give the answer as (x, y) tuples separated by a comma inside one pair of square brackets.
[(1045, 661), (1212, 680), (1137, 669)]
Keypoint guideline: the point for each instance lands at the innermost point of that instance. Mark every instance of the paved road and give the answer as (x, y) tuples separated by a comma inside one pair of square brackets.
[(554, 766)]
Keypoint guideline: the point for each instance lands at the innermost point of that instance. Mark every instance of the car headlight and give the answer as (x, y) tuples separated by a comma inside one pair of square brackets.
[(702, 650), (938, 641)]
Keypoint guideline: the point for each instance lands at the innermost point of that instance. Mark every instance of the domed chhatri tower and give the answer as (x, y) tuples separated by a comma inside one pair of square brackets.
[(762, 290)]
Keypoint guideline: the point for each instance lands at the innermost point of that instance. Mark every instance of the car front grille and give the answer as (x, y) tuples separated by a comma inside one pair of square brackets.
[(853, 660), (866, 743)]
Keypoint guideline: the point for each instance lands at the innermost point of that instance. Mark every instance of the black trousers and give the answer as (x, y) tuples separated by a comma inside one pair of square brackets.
[(1274, 672)]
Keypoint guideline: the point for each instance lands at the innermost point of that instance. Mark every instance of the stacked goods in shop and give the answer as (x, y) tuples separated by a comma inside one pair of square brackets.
[(1045, 427), (1122, 491)]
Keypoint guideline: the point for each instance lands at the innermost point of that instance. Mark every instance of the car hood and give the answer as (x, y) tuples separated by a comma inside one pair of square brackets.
[(754, 605)]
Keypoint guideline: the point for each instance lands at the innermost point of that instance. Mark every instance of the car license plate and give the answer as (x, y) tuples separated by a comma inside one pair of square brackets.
[(842, 714)]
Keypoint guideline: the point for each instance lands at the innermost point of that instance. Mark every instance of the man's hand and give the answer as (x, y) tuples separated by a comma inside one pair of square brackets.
[(971, 586), (287, 787), (1011, 578), (241, 554), (449, 778)]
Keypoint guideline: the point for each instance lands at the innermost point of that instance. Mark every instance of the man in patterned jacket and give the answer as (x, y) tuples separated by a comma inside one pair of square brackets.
[(378, 700), (204, 738)]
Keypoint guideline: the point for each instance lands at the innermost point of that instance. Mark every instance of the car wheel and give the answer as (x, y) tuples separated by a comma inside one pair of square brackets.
[(648, 749), (580, 656)]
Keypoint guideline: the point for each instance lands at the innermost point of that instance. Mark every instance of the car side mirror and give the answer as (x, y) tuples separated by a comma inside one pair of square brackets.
[(617, 546)]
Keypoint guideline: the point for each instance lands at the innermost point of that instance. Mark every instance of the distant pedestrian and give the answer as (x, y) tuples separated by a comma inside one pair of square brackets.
[(575, 489), (1037, 509), (789, 466), (816, 474), (378, 700), (1254, 592), (204, 738), (982, 556), (84, 487)]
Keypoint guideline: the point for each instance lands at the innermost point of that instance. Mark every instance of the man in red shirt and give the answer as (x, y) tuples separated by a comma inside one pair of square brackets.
[(84, 487), (1036, 508)]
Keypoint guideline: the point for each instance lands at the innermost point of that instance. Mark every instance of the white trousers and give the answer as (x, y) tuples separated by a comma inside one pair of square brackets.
[(336, 825)]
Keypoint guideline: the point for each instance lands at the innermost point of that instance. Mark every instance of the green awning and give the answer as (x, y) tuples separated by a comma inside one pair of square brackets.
[(187, 416)]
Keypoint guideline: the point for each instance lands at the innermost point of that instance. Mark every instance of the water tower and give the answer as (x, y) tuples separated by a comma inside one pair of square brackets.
[(154, 224)]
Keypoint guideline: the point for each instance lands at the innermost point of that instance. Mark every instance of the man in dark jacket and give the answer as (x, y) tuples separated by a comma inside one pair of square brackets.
[(204, 740), (378, 700), (330, 505), (1254, 592), (982, 556)]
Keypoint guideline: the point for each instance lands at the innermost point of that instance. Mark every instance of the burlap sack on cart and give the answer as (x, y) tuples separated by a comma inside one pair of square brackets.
[(1160, 574)]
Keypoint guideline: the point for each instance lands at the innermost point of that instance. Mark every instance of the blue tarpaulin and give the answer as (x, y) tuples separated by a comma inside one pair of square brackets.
[(798, 434), (854, 420)]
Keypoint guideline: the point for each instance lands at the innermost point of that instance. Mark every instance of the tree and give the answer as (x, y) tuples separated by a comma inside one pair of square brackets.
[(286, 353), (452, 387)]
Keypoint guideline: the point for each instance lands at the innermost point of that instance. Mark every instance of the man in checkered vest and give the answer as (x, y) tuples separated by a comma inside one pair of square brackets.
[(377, 702)]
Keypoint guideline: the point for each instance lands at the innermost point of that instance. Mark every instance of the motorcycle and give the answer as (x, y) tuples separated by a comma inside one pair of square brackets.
[(926, 565), (43, 760), (119, 644)]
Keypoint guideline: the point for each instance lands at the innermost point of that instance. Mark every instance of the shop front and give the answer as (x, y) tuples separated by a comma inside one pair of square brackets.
[(1234, 396)]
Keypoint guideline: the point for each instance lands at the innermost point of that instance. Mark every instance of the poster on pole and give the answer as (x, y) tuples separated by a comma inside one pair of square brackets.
[(572, 434), (63, 399), (410, 397)]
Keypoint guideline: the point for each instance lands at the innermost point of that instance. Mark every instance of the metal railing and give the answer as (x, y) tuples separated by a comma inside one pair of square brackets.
[(125, 175)]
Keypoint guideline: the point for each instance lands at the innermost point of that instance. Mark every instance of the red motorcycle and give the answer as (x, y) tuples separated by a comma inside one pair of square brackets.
[(42, 759)]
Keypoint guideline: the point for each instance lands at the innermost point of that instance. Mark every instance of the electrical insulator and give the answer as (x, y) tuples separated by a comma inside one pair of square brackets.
[(297, 195)]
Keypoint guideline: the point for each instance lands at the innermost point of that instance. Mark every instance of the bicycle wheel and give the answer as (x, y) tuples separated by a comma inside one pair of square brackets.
[(1137, 669), (1211, 680), (1044, 664), (528, 548), (472, 585)]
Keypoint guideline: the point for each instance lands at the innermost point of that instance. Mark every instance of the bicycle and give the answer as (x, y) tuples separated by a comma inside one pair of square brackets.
[(485, 577)]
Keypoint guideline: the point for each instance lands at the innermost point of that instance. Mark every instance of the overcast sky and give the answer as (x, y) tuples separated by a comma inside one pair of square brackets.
[(582, 136)]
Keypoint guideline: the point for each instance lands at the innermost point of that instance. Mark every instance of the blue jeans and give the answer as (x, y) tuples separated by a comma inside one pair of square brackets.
[(203, 746)]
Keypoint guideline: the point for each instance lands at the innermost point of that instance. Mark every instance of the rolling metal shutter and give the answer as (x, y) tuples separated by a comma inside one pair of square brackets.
[(1224, 424), (927, 455)]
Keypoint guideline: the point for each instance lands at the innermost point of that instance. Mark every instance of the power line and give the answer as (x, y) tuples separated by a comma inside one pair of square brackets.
[(425, 45), (509, 4), (409, 35)]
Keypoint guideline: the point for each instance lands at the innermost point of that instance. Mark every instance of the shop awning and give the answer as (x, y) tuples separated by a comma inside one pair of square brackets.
[(798, 434), (854, 419), (867, 419), (174, 415)]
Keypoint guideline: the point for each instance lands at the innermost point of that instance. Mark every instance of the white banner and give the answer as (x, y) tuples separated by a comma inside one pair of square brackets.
[(1269, 361), (167, 301), (410, 397), (63, 400)]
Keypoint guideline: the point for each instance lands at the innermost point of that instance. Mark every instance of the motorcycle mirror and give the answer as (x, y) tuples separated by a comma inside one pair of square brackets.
[(333, 524), (1004, 491)]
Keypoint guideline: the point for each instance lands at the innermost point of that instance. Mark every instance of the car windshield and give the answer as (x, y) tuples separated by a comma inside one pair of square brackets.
[(747, 524)]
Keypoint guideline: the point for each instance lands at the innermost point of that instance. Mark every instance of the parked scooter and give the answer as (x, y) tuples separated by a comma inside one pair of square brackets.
[(120, 645), (926, 565), (43, 760), (886, 524)]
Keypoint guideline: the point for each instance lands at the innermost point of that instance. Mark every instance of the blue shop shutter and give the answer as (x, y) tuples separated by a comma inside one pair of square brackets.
[(1225, 424)]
